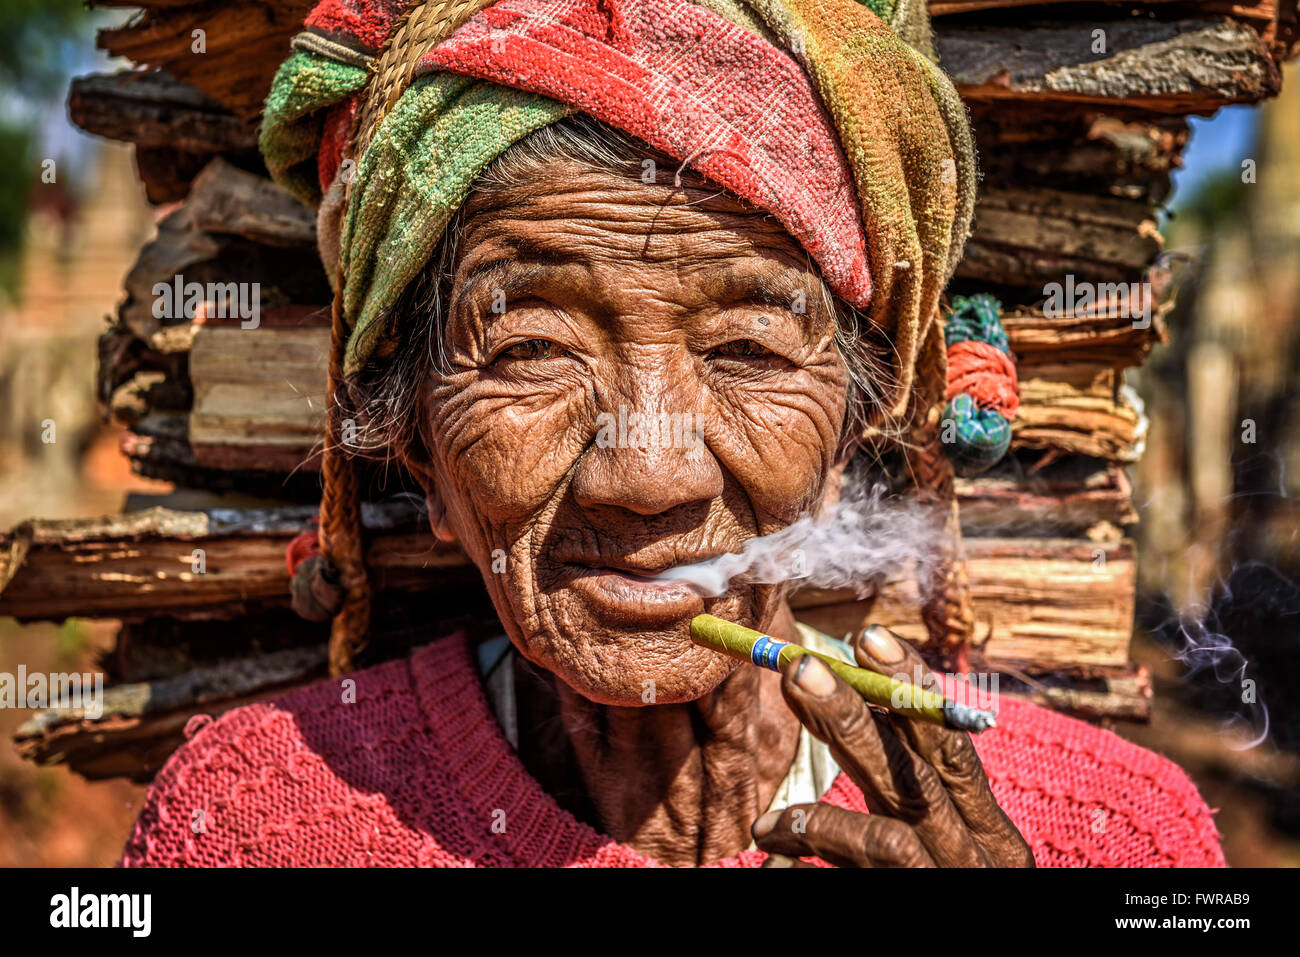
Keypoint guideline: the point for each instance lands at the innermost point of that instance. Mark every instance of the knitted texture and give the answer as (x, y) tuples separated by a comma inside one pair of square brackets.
[(416, 772), (982, 389), (362, 22), (908, 144), (417, 172), (293, 122)]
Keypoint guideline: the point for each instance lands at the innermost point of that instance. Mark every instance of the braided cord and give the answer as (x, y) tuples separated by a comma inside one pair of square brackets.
[(341, 533), (422, 26)]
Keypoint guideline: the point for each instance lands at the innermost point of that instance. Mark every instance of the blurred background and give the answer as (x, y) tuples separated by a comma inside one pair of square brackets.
[(1216, 490), (64, 248)]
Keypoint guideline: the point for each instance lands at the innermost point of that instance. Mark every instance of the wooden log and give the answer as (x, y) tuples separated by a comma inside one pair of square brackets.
[(233, 57), (252, 412), (228, 200), (1050, 602), (143, 723), (1098, 337), (143, 719), (158, 447), (154, 109), (1184, 66), (1079, 149), (166, 173), (1125, 695), (1274, 20), (1238, 9), (125, 359), (204, 564), (175, 127), (1033, 237), (1041, 605), (1250, 11), (259, 397), (230, 231), (1053, 604), (1080, 409), (179, 248), (1067, 498)]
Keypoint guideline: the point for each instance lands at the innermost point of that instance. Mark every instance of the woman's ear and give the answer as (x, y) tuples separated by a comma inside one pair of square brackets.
[(834, 485), (416, 461), (442, 529)]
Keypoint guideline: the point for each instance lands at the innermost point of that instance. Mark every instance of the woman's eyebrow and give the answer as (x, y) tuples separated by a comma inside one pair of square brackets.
[(506, 276), (529, 259), (748, 287)]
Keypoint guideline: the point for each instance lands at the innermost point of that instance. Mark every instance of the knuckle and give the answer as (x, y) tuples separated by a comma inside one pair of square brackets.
[(1023, 854), (930, 789), (890, 842), (797, 819), (957, 762), (844, 717), (853, 719)]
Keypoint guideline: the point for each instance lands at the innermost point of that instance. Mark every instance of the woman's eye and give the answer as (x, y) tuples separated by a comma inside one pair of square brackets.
[(532, 349), (742, 349)]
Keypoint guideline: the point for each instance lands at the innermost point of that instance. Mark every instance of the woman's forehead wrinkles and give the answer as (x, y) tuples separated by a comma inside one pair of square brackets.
[(613, 201), (569, 241)]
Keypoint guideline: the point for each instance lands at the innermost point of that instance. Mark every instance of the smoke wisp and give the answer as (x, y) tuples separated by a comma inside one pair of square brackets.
[(866, 536)]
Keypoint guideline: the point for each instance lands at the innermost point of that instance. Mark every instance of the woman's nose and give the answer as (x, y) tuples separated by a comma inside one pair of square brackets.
[(648, 463)]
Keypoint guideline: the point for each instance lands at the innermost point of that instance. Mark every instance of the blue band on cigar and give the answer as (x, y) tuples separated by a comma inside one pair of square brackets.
[(767, 652)]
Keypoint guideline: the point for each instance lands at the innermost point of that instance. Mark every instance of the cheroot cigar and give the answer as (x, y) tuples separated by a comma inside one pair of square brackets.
[(901, 697)]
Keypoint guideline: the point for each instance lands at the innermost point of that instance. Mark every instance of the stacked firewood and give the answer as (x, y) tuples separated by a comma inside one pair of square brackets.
[(1079, 117)]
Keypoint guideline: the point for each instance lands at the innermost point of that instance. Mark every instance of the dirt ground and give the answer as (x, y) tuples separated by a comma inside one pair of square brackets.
[(50, 817), (1255, 791)]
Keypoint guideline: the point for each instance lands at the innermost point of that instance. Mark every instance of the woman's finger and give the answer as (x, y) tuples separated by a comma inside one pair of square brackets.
[(894, 780), (840, 837), (950, 753)]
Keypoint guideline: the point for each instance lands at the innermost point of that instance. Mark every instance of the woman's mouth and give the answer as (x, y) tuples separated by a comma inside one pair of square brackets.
[(633, 595)]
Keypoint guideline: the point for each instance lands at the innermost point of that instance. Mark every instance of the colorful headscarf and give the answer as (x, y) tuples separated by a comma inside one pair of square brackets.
[(830, 114), (756, 95)]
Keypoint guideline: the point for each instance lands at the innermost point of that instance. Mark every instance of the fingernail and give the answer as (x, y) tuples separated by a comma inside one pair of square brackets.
[(765, 824), (814, 677), (882, 645)]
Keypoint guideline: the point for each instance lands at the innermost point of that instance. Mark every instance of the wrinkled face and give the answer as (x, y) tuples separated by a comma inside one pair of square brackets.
[(641, 377)]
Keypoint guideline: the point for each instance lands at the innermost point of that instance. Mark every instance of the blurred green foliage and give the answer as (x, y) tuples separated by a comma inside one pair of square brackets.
[(39, 40), (70, 644), (34, 37), (1217, 201), (16, 147)]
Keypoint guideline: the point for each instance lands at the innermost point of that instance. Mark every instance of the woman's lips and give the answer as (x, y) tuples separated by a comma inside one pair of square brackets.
[(632, 595)]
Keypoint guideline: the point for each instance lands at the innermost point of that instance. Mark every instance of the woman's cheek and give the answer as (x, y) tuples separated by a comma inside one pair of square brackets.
[(509, 452), (778, 444)]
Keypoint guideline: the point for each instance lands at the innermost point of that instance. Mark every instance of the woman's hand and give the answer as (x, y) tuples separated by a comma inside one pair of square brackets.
[(930, 801)]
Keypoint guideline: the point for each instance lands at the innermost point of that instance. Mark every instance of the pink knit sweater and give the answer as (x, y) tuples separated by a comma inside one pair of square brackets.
[(417, 772)]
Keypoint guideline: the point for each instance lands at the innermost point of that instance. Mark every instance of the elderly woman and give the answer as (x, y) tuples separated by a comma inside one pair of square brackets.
[(536, 214)]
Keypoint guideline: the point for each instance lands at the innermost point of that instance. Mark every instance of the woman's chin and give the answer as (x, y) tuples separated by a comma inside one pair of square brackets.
[(622, 639), (627, 678), (630, 660)]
